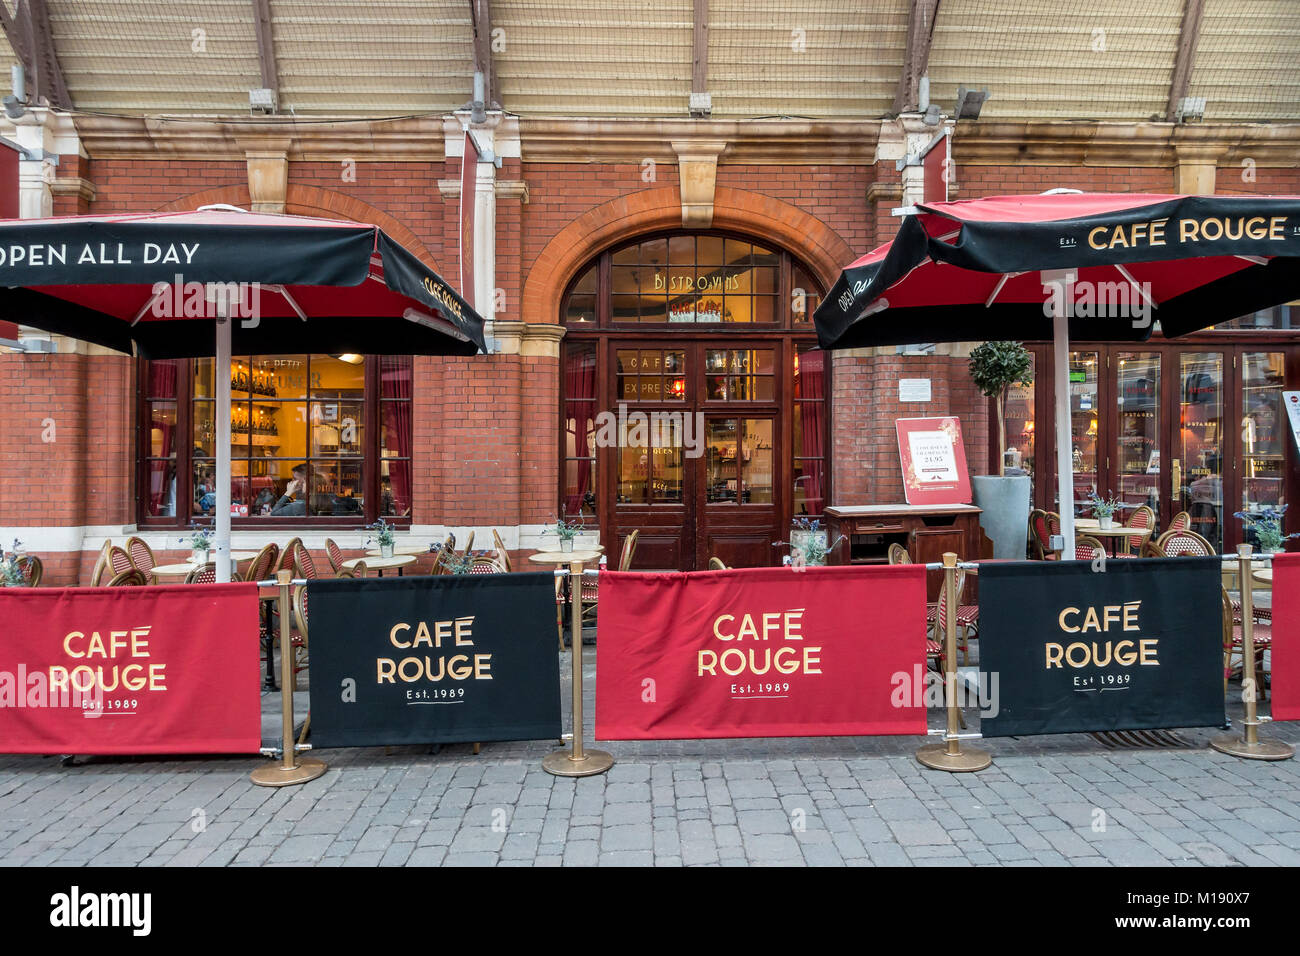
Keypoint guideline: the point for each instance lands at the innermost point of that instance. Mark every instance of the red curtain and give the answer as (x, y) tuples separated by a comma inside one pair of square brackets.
[(162, 385), (395, 383), (812, 414), (580, 392)]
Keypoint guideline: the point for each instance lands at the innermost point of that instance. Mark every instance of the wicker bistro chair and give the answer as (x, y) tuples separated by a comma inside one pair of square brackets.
[(898, 554), (1234, 642), (501, 551), (263, 566), (1180, 522), (1039, 540), (936, 629), (1143, 521), (1182, 544), (132, 578), (486, 564), (1087, 548), (357, 570), (99, 576), (335, 555), (204, 574), (304, 566), (716, 564), (141, 556), (119, 561)]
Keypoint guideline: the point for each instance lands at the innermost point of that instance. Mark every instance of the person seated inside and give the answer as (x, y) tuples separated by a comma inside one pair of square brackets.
[(293, 503)]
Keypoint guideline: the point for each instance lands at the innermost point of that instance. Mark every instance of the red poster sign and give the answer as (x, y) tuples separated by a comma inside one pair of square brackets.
[(468, 184), (760, 652), (1285, 686), (141, 670), (933, 460), (936, 165)]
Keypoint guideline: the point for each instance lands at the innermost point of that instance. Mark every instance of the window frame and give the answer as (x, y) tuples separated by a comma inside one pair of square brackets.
[(371, 460)]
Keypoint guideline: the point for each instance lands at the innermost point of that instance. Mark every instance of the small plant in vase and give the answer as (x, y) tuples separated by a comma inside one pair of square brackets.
[(1266, 524), (566, 531), (1103, 509), (13, 573), (200, 542), (384, 534), (453, 562), (809, 543)]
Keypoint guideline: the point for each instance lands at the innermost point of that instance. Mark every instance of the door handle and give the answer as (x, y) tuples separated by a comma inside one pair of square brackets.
[(1177, 471)]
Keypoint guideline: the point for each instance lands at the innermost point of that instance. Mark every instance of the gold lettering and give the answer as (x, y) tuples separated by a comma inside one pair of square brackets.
[(67, 644), (392, 636), (1158, 232), (1092, 238), (717, 633), (1131, 616), (1122, 656), (1187, 230), (1275, 227), (710, 666), (1054, 652), (1254, 231), (463, 632), (1061, 620), (1090, 621), (1218, 229), (1147, 647)]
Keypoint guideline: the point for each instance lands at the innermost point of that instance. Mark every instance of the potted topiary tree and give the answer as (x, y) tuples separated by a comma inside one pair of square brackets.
[(1004, 499)]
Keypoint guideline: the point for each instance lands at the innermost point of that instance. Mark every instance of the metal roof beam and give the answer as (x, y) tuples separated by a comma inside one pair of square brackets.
[(1181, 79), (28, 31), (481, 16), (266, 48), (916, 59)]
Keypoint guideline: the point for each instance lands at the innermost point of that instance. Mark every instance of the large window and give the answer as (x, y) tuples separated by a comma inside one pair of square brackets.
[(314, 438), (693, 281)]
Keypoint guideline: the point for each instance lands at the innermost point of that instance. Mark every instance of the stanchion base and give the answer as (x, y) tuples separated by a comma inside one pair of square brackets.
[(562, 764), (1265, 749), (275, 775), (936, 757)]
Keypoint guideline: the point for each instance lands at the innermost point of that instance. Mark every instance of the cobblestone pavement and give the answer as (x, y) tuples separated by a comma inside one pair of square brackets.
[(1058, 800)]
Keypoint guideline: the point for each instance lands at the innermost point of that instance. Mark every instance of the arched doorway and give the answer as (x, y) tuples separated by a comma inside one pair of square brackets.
[(693, 399)]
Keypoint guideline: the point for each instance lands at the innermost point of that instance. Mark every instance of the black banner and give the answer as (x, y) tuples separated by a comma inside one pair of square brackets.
[(433, 659), (1129, 645)]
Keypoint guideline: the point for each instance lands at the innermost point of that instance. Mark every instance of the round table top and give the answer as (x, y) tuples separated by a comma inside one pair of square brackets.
[(379, 564), (1263, 574), (185, 567), (1091, 526), (415, 549), (565, 557)]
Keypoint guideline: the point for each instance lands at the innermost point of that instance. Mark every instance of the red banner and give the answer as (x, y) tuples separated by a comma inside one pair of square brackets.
[(761, 652), (142, 670), (1285, 686)]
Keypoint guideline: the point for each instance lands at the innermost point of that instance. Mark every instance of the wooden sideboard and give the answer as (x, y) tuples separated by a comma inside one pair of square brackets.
[(926, 531)]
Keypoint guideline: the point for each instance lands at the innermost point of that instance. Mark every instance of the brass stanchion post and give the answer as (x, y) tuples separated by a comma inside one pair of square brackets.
[(290, 770), (949, 754), (578, 762), (1249, 745)]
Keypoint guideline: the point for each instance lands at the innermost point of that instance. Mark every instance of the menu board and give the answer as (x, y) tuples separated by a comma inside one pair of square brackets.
[(933, 460)]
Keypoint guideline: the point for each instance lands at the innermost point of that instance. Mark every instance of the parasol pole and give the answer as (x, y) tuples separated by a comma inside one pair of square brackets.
[(1063, 280), (222, 373)]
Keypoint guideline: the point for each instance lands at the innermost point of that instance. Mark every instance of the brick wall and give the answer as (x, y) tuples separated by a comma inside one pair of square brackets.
[(864, 406)]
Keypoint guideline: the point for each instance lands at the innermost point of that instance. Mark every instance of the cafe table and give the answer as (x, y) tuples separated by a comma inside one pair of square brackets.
[(1090, 526), (414, 549), (183, 568), (398, 561)]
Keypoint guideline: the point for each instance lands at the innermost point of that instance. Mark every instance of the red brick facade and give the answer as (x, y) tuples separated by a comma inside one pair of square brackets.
[(486, 429)]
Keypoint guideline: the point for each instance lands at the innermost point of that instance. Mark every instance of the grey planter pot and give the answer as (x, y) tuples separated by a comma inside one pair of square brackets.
[(1005, 503)]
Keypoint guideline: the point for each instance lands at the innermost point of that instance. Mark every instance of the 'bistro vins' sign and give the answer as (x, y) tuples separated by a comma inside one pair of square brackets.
[(1129, 645), (433, 659)]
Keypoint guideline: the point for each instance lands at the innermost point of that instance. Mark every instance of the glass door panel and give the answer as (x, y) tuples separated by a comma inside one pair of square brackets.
[(1264, 430), (1137, 455), (1084, 427), (1198, 467), (1018, 420)]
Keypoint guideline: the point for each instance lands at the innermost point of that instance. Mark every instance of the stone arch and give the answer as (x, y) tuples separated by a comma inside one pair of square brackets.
[(301, 200), (651, 210)]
